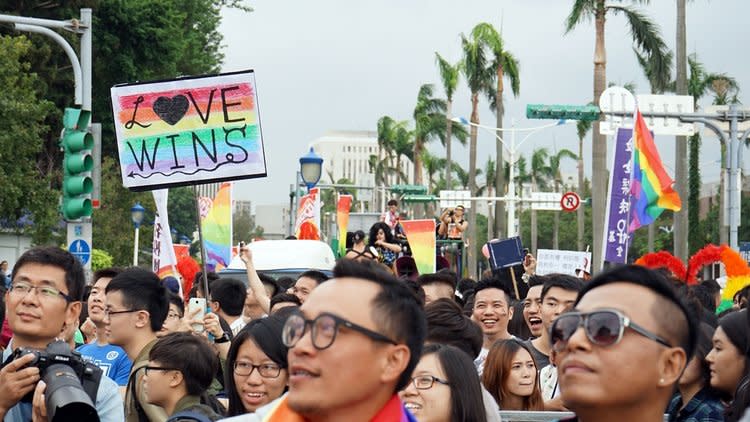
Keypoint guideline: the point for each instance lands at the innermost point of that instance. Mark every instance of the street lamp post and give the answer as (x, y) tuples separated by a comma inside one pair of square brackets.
[(512, 198), (136, 215), (311, 168)]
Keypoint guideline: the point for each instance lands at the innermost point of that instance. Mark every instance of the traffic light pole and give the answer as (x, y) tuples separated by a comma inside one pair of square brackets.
[(733, 158), (80, 236)]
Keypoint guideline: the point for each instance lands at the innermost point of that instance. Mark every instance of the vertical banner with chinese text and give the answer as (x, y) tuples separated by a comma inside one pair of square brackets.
[(307, 225), (164, 259), (616, 236)]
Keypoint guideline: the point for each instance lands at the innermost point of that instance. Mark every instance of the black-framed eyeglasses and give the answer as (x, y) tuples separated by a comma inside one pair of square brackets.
[(425, 382), (324, 328), (604, 327), (47, 292), (266, 370), (147, 369), (108, 313)]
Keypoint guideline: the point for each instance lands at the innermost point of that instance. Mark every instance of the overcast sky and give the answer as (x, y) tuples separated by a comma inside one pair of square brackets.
[(341, 65)]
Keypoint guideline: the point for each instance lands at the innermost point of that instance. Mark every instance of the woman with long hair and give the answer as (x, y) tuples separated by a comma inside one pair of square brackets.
[(444, 387), (359, 250), (256, 365), (511, 376), (728, 363), (695, 399), (382, 240)]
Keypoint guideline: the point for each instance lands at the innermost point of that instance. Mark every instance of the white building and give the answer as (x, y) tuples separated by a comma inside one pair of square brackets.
[(346, 154)]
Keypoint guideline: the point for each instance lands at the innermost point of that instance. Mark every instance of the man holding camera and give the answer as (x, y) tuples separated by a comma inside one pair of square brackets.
[(44, 298)]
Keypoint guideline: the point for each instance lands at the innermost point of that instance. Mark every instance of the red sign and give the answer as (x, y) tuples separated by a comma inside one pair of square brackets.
[(570, 201)]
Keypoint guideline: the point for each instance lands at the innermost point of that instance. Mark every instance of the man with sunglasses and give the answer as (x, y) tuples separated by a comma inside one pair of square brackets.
[(44, 298), (136, 308), (352, 346), (623, 347)]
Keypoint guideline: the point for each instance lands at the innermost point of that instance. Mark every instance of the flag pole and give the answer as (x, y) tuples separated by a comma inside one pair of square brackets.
[(201, 244)]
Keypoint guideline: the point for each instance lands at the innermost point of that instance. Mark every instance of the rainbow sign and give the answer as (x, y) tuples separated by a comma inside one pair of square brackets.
[(188, 131), (421, 237)]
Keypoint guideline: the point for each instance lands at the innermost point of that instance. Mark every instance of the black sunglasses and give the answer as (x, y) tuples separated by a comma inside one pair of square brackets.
[(603, 327), (324, 328)]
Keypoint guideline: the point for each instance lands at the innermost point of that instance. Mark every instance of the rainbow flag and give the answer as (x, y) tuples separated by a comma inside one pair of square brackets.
[(217, 230), (651, 187), (342, 217), (307, 225), (421, 237)]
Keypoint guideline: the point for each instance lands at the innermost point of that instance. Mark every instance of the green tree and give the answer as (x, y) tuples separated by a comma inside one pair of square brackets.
[(505, 65), (646, 37), (100, 259), (27, 186), (479, 74), (449, 75), (433, 165), (404, 147), (429, 122)]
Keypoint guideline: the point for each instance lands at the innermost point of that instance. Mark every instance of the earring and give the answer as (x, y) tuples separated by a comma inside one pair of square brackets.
[(661, 381)]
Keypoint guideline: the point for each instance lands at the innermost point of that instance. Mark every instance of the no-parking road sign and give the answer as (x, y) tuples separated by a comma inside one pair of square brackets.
[(570, 201)]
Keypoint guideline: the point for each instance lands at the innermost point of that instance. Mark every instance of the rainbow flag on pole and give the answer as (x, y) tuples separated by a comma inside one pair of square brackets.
[(343, 207), (651, 187), (421, 237), (217, 229)]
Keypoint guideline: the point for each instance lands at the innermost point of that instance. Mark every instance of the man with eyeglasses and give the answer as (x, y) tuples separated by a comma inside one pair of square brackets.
[(110, 358), (352, 346), (180, 369), (137, 306), (44, 298), (623, 347)]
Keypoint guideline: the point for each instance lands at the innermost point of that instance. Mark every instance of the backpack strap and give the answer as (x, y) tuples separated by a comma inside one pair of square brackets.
[(142, 417), (189, 415)]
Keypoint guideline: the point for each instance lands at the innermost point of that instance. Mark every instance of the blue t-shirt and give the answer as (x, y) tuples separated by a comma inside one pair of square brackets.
[(108, 402), (110, 358)]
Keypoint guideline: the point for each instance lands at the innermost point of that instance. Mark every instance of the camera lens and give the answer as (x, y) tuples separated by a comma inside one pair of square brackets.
[(65, 398)]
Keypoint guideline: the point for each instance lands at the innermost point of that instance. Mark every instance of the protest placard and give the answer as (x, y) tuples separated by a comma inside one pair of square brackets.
[(549, 261), (188, 131)]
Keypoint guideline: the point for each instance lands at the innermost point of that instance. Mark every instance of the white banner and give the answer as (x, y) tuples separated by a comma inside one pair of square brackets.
[(164, 261), (549, 261)]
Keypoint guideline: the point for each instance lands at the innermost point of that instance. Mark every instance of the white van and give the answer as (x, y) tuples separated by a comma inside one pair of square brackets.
[(279, 258)]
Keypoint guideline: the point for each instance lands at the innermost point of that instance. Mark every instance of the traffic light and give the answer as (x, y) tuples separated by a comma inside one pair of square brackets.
[(76, 143), (562, 112)]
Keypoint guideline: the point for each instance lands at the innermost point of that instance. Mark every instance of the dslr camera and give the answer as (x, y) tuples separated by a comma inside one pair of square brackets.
[(72, 382)]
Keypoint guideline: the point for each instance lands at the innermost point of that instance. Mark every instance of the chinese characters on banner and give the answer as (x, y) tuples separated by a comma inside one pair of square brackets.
[(616, 236), (307, 225)]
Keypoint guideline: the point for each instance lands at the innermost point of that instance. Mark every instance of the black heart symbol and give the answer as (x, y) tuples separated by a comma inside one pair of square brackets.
[(171, 110)]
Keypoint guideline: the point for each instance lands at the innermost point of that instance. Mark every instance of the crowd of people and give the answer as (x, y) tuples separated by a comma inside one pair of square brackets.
[(365, 344)]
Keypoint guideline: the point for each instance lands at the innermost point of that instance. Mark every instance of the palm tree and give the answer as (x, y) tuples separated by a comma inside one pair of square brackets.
[(487, 188), (463, 177), (540, 173), (646, 37), (659, 80), (478, 76), (554, 169), (680, 222), (582, 128), (505, 65), (429, 117), (725, 90), (432, 165), (449, 77), (404, 146), (386, 140)]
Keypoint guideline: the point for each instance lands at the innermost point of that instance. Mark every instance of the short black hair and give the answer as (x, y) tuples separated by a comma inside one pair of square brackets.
[(437, 278), (537, 280), (110, 272), (283, 283), (704, 296), (493, 283), (561, 281), (677, 321), (142, 290), (191, 355), (285, 297), (267, 280), (316, 275), (230, 293), (266, 334), (60, 258), (446, 324), (466, 286), (393, 202), (176, 300), (198, 283), (711, 285), (396, 310)]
